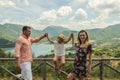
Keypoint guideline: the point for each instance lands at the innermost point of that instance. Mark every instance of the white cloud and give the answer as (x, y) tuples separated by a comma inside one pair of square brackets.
[(80, 14), (0, 16), (73, 14), (101, 18), (9, 4), (102, 6), (6, 3), (79, 1), (5, 21), (48, 16), (98, 22), (64, 11), (114, 22), (76, 2), (103, 9), (26, 2), (86, 25)]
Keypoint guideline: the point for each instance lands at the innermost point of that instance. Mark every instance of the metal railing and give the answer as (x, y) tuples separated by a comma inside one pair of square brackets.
[(45, 62)]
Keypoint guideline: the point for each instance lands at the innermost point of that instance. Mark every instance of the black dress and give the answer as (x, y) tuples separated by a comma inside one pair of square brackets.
[(80, 60)]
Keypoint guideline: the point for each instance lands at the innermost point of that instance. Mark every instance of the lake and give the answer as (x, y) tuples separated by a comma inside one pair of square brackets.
[(38, 49)]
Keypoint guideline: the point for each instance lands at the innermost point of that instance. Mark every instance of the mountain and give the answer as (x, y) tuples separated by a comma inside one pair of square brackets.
[(107, 33), (9, 33), (55, 30), (67, 33), (12, 31), (6, 43)]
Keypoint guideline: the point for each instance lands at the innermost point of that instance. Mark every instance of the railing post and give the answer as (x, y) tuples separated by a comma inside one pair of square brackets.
[(101, 69), (44, 70)]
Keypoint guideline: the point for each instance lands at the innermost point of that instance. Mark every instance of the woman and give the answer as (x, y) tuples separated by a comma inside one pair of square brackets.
[(83, 49)]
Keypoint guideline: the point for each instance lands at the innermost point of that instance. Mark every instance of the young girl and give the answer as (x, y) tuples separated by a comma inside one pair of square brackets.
[(59, 50), (83, 49)]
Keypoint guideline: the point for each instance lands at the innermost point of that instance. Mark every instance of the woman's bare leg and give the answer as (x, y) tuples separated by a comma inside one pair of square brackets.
[(81, 78), (70, 76)]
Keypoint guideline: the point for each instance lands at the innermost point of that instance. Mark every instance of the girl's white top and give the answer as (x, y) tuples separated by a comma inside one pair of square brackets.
[(59, 49)]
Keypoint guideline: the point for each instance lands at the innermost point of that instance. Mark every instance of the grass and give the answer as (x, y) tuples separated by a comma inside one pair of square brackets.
[(49, 78)]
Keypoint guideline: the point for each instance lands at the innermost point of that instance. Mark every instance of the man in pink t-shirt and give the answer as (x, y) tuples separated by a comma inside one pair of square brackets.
[(23, 52)]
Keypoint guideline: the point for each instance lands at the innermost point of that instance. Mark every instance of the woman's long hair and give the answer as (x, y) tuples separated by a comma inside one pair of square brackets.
[(86, 40)]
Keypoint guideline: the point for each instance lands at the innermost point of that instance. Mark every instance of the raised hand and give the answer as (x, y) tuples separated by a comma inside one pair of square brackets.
[(46, 34), (71, 35)]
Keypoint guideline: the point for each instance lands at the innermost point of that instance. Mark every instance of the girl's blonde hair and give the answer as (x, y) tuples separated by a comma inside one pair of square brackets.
[(62, 36)]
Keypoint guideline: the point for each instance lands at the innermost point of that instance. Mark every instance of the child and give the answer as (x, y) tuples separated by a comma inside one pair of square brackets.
[(59, 50)]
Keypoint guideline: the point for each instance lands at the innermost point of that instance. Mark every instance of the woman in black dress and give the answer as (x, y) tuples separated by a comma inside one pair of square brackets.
[(83, 49)]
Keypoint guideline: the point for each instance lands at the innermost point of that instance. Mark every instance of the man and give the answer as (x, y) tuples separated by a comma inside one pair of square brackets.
[(23, 52)]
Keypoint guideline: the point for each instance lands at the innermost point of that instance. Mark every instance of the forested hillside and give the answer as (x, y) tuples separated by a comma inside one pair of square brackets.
[(109, 34)]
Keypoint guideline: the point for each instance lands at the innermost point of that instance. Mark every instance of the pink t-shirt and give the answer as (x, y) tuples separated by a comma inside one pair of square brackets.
[(23, 48)]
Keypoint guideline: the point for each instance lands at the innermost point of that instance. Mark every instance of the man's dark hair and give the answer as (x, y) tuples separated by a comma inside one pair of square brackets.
[(25, 28)]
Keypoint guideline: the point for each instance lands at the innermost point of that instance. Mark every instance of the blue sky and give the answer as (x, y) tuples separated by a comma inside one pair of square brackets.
[(72, 14)]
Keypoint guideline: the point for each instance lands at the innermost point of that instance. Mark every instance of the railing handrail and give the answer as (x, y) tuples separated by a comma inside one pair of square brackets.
[(101, 65), (68, 59)]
